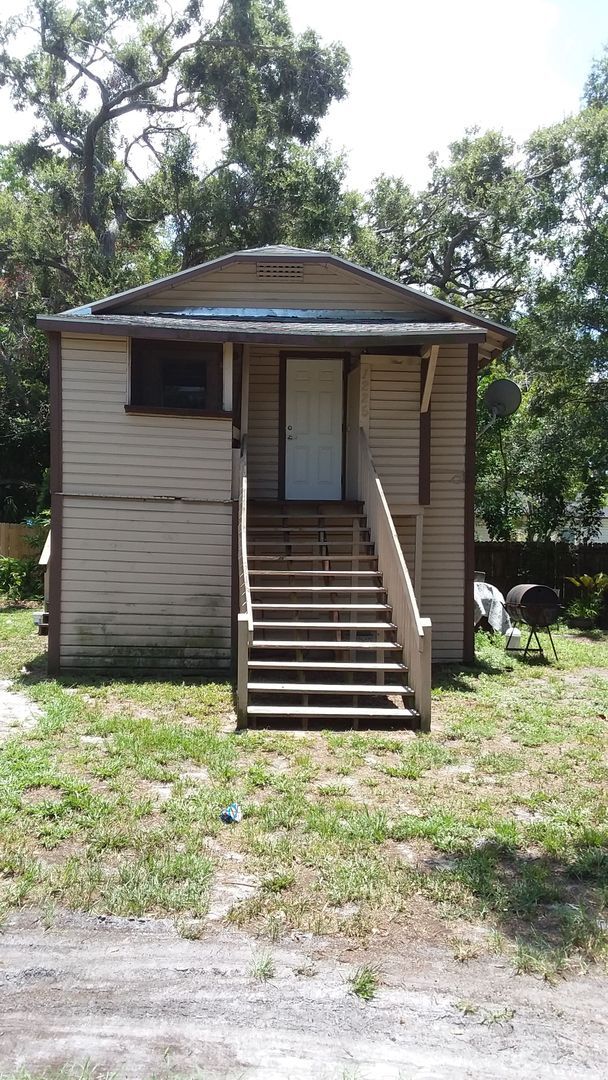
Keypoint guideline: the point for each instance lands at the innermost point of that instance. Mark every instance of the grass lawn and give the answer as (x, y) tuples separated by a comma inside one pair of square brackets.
[(490, 834)]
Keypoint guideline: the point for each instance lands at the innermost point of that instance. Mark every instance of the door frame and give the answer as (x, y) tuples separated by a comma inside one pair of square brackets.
[(311, 354)]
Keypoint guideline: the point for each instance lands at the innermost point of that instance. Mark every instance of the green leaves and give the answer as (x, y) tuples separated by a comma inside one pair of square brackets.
[(86, 211)]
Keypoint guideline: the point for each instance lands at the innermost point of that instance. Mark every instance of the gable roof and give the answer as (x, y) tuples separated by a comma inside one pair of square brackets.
[(439, 308)]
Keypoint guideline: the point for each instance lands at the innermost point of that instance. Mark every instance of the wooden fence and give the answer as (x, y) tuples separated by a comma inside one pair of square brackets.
[(16, 541), (509, 564)]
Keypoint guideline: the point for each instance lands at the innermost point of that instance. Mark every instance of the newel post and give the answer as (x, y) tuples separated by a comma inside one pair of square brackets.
[(242, 667), (423, 687)]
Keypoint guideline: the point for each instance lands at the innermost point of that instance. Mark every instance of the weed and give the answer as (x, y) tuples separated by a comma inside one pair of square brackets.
[(501, 1016), (463, 951), (467, 1008), (278, 882), (364, 982), (191, 929), (262, 967)]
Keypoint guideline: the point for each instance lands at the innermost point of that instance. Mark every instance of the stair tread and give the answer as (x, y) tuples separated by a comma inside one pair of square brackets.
[(328, 665), (319, 573), (343, 530), (274, 544), (338, 606), (340, 557), (329, 688), (274, 643), (271, 624), (330, 710), (318, 588)]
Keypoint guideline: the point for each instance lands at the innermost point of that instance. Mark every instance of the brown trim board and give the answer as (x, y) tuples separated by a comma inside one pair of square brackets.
[(159, 410), (282, 424), (468, 636), (56, 484), (424, 451)]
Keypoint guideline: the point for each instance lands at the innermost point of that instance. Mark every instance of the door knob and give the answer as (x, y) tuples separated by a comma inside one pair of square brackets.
[(292, 436)]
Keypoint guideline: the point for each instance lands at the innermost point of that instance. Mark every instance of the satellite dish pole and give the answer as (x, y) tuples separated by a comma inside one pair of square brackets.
[(501, 398)]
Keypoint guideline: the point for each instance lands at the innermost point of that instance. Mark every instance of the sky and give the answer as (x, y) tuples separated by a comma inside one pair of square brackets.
[(424, 70)]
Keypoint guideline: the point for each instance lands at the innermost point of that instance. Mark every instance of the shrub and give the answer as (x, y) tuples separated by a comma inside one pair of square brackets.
[(20, 579), (589, 604)]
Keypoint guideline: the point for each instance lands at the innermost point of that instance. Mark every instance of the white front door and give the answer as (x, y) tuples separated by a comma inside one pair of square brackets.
[(313, 439)]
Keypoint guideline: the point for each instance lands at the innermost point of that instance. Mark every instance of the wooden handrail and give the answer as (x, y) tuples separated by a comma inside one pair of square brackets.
[(414, 631), (245, 616)]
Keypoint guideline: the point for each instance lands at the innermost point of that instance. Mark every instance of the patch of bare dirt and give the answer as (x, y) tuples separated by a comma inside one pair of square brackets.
[(419, 854), (227, 891), (134, 998), (60, 853), (194, 775), (576, 678), (17, 712), (100, 741), (35, 796)]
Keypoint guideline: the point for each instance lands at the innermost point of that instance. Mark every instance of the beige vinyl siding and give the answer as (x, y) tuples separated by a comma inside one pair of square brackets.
[(147, 526), (108, 451), (263, 422), (394, 424), (145, 585), (238, 286), (443, 562), (406, 531)]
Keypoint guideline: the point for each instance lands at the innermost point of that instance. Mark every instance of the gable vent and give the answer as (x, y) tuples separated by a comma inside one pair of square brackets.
[(280, 270)]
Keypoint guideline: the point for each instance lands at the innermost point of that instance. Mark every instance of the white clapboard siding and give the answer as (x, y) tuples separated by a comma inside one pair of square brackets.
[(107, 451), (321, 286), (146, 585), (263, 422), (443, 562), (394, 424)]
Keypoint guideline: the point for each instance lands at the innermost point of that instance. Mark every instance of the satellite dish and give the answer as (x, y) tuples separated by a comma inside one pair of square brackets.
[(502, 397)]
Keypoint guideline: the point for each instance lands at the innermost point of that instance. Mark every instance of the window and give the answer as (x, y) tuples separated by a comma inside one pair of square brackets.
[(179, 376)]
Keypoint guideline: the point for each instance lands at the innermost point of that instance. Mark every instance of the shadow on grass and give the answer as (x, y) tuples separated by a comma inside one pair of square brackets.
[(597, 634), (458, 676), (551, 907), (36, 673)]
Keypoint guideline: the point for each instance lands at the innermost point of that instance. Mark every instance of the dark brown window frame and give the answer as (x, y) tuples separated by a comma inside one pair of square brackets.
[(157, 354)]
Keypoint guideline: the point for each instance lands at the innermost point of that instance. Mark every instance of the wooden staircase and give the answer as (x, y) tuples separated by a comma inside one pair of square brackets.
[(324, 648)]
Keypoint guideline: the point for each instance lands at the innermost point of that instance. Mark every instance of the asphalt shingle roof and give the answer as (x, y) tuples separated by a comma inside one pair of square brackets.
[(277, 330)]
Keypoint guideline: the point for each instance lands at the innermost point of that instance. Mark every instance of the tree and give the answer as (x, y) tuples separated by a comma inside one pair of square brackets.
[(105, 60), (461, 237), (521, 235), (89, 207)]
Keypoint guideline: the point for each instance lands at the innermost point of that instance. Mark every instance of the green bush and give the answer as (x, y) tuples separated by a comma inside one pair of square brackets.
[(589, 604), (20, 579)]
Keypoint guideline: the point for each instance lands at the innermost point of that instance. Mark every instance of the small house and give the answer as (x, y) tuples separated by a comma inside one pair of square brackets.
[(266, 465)]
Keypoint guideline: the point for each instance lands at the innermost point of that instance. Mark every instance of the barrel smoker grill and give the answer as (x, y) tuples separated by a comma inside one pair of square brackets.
[(537, 607)]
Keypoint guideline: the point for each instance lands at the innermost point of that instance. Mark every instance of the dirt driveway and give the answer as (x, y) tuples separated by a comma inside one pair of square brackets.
[(134, 998)]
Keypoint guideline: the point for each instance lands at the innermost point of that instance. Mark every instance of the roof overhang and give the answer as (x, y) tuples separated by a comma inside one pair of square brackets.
[(343, 335)]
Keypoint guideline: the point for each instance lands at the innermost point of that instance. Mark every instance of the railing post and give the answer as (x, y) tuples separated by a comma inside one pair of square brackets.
[(242, 669), (414, 632), (423, 689)]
